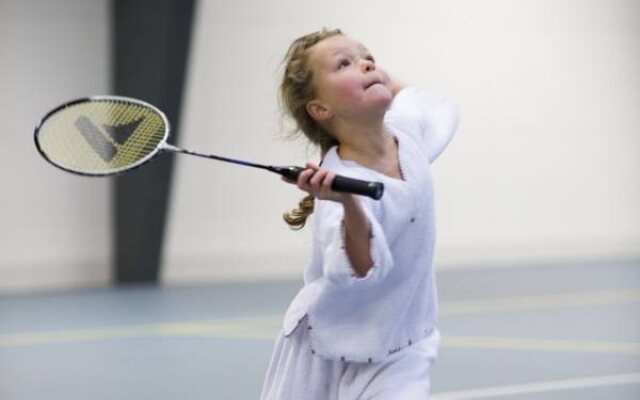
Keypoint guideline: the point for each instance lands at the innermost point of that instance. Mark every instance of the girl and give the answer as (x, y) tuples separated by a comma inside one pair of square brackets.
[(363, 325)]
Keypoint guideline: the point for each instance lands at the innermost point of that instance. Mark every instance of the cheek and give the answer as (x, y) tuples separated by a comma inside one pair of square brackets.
[(348, 87), (385, 76)]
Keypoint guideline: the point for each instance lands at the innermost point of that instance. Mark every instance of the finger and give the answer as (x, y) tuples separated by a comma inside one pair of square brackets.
[(313, 168), (325, 188), (317, 177), (303, 179), (328, 180)]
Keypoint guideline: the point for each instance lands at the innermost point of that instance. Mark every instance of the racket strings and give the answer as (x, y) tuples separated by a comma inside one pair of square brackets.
[(101, 136), (146, 138)]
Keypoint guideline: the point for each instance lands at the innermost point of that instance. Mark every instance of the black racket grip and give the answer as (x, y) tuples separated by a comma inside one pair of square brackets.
[(356, 186), (340, 183)]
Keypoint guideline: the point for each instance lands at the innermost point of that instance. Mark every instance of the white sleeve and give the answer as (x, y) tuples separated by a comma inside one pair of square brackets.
[(329, 236), (429, 116)]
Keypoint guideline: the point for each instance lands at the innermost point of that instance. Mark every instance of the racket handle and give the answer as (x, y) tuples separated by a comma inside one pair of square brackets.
[(340, 183), (356, 186)]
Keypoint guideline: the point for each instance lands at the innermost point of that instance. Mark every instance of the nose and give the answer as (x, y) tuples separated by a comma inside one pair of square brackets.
[(368, 65)]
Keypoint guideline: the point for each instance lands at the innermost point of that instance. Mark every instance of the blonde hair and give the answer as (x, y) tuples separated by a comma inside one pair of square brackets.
[(296, 90)]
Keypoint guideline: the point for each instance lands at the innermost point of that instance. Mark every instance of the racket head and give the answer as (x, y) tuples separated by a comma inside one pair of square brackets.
[(101, 135)]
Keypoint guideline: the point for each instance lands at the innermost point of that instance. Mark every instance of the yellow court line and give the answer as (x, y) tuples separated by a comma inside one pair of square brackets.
[(268, 326), (540, 302), (246, 332), (557, 345), (221, 330)]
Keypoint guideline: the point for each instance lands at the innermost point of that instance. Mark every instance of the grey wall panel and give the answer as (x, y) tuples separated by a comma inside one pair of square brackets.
[(151, 42)]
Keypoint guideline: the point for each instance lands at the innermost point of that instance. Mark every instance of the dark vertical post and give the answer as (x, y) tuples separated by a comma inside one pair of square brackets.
[(150, 49)]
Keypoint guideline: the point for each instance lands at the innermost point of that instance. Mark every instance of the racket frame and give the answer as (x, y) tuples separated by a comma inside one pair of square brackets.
[(162, 145)]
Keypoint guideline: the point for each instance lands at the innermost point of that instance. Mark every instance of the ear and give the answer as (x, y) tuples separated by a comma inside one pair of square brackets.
[(318, 111)]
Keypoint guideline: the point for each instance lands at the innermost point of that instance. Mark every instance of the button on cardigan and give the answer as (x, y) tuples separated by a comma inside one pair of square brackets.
[(364, 319)]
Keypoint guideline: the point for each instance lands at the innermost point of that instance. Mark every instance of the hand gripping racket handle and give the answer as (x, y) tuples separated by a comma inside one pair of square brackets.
[(340, 183)]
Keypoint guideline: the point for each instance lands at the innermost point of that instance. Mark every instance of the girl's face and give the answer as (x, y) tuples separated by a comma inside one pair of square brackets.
[(348, 83)]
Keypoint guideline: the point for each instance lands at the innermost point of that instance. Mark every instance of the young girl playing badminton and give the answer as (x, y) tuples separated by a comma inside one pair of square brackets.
[(363, 325)]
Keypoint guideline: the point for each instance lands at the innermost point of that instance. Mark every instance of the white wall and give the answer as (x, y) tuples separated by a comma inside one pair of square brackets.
[(544, 166), (54, 226)]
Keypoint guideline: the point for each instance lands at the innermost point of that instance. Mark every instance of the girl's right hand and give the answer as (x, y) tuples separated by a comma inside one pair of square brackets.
[(317, 182)]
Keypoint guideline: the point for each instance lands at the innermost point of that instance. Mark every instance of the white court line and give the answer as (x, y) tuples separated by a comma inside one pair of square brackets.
[(538, 387)]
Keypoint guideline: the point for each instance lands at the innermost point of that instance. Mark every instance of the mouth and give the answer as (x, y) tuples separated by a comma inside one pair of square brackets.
[(372, 83)]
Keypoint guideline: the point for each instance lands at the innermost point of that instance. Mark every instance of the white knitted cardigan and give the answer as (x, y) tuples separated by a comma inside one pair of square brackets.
[(395, 305)]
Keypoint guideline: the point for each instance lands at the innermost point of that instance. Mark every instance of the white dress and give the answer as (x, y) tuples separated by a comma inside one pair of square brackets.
[(346, 337), (296, 374)]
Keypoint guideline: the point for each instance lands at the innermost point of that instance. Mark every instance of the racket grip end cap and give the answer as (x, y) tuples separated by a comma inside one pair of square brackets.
[(375, 190)]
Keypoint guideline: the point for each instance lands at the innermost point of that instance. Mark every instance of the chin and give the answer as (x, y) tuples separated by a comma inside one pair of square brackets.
[(382, 100)]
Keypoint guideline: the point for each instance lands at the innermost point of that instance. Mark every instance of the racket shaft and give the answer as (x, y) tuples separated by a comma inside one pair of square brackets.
[(340, 183), (169, 147)]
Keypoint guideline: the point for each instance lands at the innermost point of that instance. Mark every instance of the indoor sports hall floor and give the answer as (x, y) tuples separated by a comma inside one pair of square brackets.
[(536, 332)]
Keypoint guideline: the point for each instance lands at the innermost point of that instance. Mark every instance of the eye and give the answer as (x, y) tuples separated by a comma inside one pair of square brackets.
[(370, 58), (343, 63)]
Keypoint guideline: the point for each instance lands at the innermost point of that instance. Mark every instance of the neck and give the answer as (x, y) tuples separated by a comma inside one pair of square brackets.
[(366, 143)]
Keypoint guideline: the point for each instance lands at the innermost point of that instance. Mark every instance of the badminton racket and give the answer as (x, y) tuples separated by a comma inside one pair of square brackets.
[(108, 135)]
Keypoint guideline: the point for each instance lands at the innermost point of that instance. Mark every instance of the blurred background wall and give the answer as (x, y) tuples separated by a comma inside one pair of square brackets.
[(543, 167), (542, 170), (54, 227)]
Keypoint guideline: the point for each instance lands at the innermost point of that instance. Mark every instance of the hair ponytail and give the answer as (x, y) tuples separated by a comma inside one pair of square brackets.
[(297, 218)]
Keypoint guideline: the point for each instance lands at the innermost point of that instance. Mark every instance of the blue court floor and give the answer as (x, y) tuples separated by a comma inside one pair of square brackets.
[(529, 332)]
